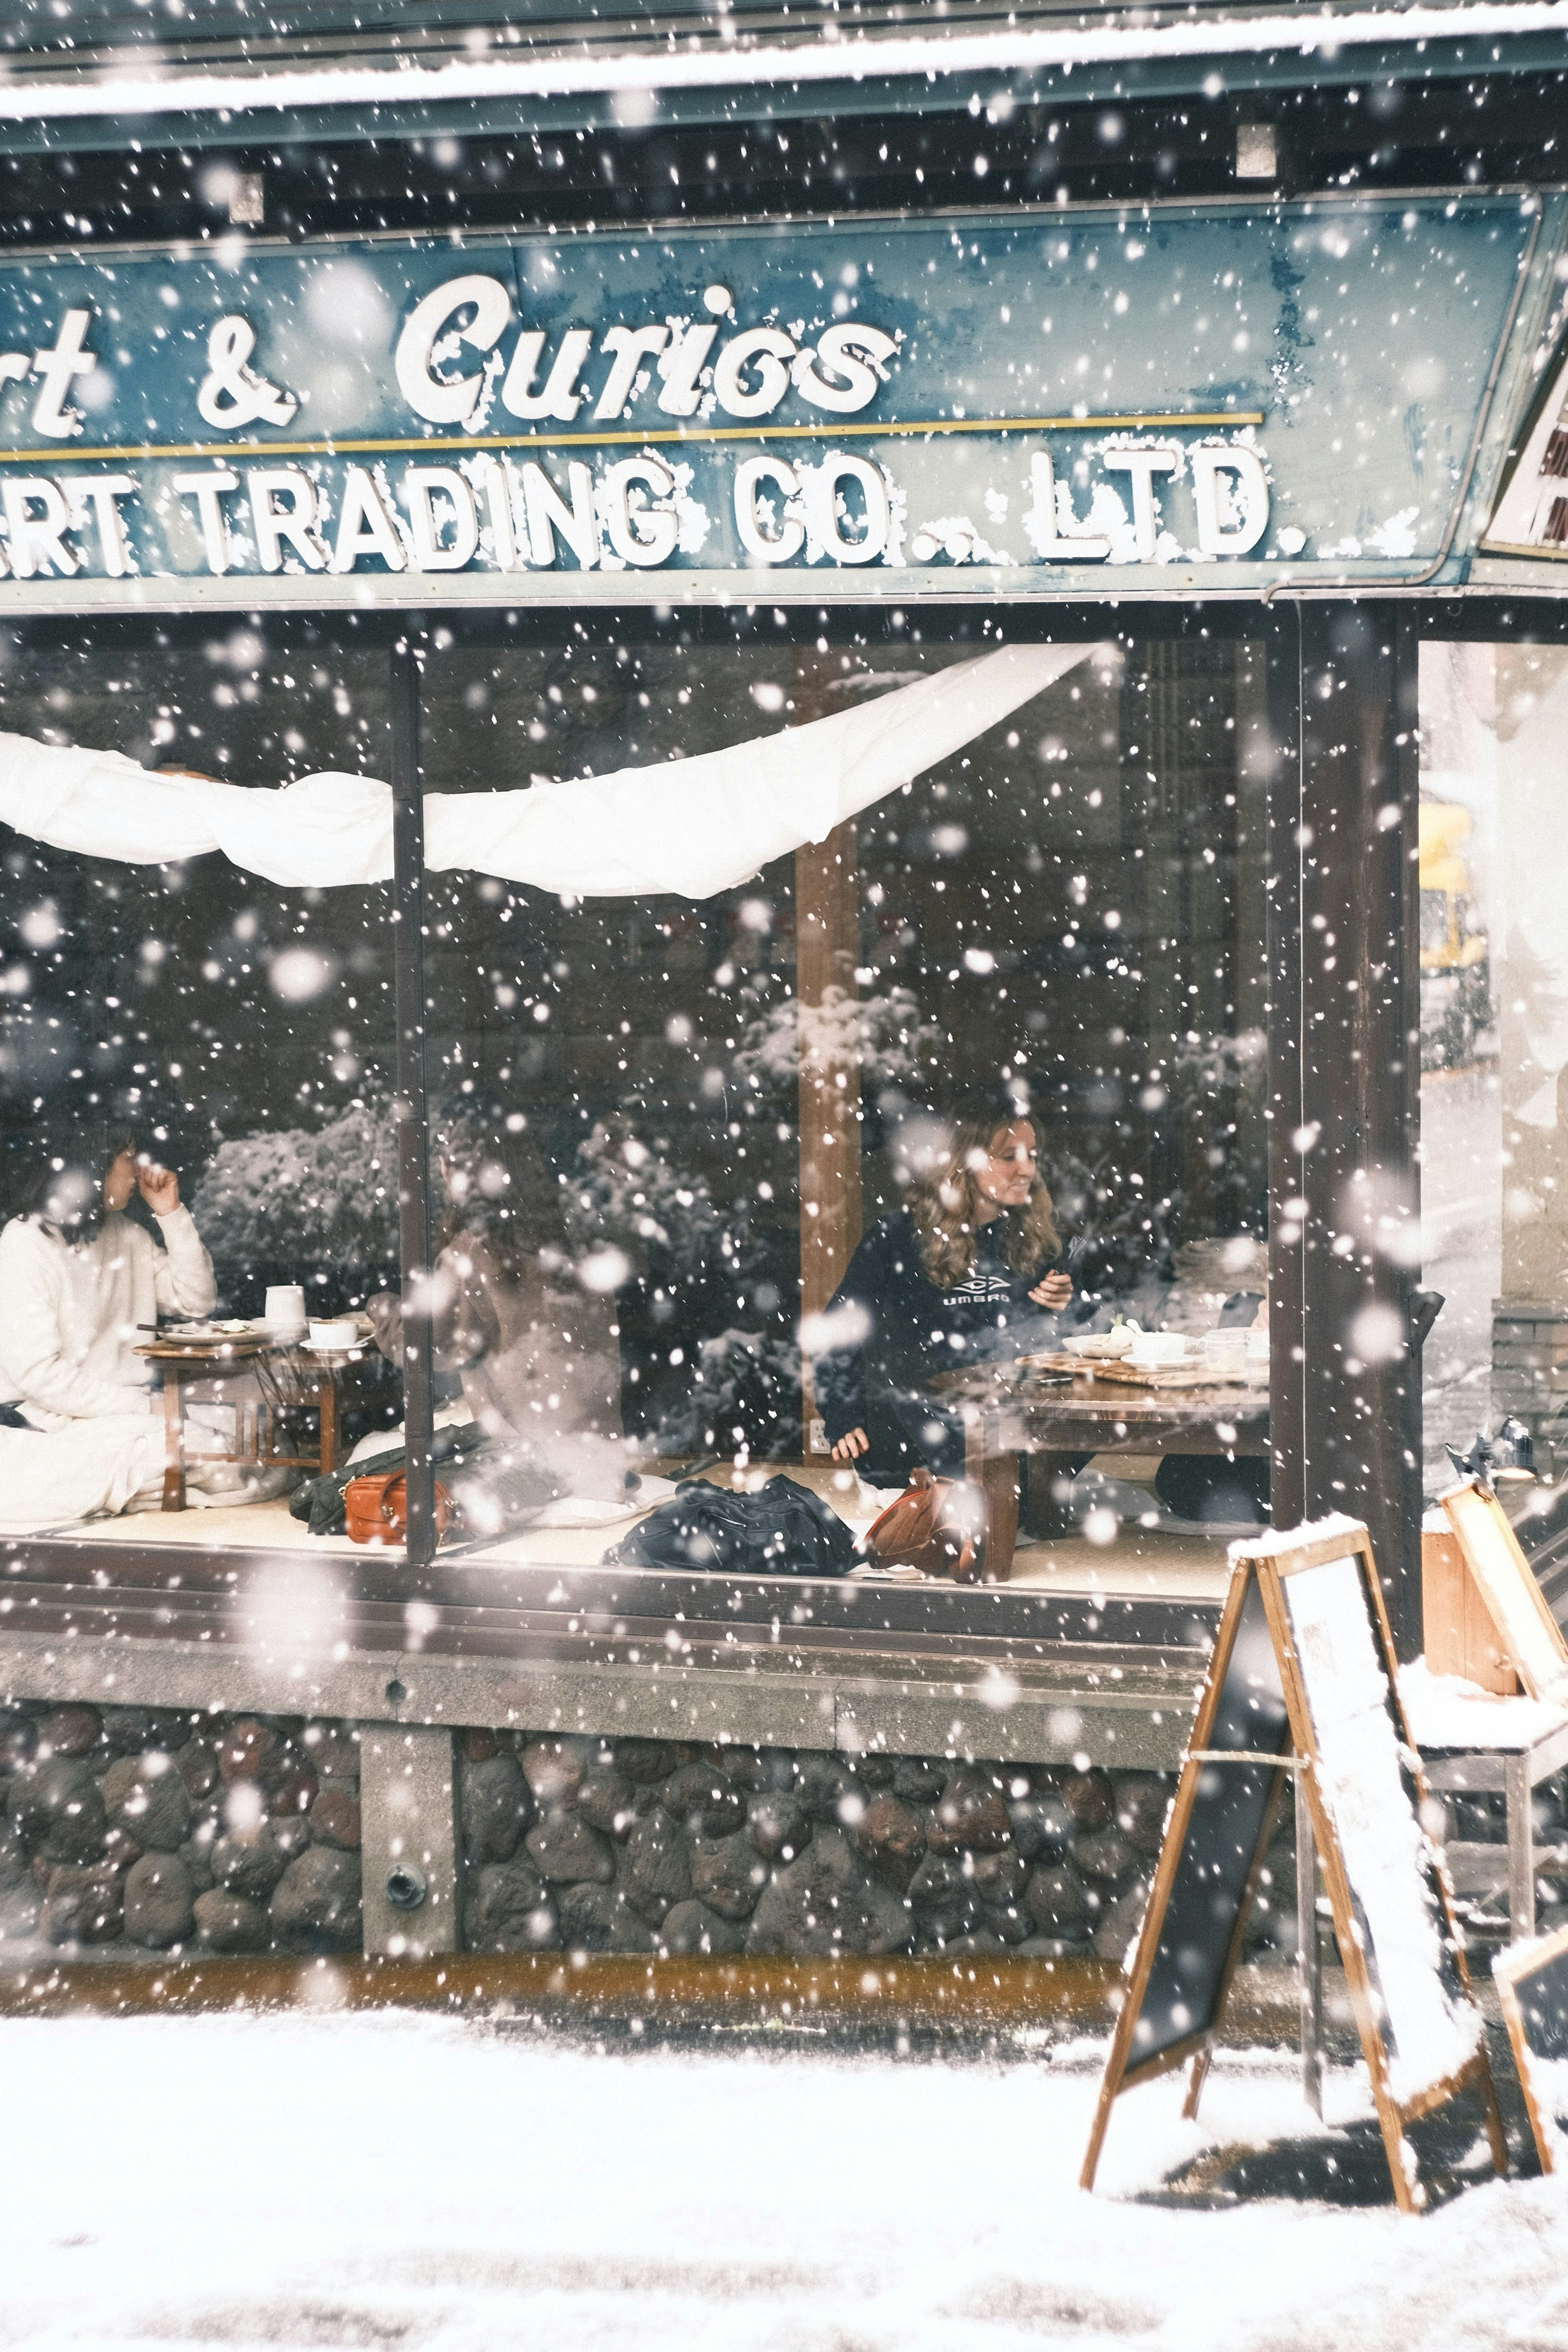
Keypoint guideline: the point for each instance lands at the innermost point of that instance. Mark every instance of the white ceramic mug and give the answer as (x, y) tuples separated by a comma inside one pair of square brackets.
[(335, 1331), (1159, 1348), (284, 1307)]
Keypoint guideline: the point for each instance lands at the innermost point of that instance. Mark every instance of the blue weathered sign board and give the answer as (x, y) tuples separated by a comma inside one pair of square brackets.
[(1210, 399)]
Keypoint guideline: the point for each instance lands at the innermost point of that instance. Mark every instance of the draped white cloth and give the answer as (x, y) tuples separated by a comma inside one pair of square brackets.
[(685, 826)]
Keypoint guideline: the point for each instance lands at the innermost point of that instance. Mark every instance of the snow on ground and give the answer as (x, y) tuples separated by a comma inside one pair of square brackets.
[(405, 2181)]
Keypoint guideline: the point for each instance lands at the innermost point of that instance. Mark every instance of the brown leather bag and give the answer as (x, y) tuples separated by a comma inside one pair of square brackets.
[(934, 1527), (376, 1510)]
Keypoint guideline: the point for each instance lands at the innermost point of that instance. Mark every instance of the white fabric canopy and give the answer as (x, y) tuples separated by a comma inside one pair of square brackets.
[(687, 826)]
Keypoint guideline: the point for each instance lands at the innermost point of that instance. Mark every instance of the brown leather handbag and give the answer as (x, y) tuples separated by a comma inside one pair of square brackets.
[(932, 1526), (376, 1510)]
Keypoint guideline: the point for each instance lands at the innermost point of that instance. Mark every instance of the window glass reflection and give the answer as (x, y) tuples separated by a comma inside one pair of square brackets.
[(1048, 948)]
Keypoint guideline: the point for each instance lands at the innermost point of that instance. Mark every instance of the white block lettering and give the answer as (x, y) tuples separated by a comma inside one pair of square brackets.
[(1249, 494), (100, 492), (751, 478), (1141, 465), (1043, 523), (365, 526), (644, 534), (421, 486), (36, 536), (283, 507), (821, 491), (207, 491), (548, 515)]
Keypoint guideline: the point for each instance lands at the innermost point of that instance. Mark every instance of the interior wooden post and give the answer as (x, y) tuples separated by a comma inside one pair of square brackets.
[(827, 920)]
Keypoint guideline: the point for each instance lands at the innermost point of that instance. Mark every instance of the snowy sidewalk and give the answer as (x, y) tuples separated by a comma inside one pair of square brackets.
[(400, 2181)]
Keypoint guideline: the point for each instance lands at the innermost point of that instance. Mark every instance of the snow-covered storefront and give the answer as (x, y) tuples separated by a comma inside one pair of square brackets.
[(656, 671)]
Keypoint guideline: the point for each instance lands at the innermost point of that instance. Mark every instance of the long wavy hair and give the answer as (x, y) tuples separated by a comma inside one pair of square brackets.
[(944, 1204)]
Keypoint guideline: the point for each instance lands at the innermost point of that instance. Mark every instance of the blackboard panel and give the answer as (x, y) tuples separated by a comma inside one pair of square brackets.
[(1532, 1980), (1543, 2005), (1229, 1818)]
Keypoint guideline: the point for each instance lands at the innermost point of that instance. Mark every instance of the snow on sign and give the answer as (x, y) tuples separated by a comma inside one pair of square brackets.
[(1303, 1680), (1213, 397)]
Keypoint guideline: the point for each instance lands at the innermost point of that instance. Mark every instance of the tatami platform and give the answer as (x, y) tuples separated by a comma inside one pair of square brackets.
[(1152, 1563)]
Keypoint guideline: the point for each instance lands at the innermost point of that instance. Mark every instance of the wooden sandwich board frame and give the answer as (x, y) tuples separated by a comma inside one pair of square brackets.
[(1512, 1969), (1514, 1601), (1269, 1569)]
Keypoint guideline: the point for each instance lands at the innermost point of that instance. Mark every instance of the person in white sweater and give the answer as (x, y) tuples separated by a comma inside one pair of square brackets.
[(81, 1286)]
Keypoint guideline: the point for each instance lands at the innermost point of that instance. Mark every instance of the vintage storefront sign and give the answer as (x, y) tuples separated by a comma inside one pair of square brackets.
[(1223, 398)]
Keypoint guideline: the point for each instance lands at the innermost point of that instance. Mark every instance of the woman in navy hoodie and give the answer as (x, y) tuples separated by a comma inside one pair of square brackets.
[(958, 1277)]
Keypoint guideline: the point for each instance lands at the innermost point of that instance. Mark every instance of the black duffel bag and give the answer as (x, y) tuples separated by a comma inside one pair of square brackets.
[(784, 1529)]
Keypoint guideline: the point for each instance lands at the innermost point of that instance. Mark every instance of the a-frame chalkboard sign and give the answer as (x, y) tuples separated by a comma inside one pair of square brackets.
[(1302, 1681), (1532, 1985), (1531, 1638)]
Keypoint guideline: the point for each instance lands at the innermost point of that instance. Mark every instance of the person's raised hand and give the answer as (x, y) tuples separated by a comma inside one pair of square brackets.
[(1055, 1292), (159, 1187), (854, 1443)]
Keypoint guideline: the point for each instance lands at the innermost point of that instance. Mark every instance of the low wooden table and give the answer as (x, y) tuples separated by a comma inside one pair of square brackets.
[(1009, 1411), (287, 1375)]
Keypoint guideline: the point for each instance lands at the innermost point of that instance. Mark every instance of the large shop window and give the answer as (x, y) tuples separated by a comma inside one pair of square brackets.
[(758, 1131), (849, 1164), (239, 1037)]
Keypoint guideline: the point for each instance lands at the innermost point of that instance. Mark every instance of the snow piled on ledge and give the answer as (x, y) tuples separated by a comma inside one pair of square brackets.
[(1310, 1531), (637, 74)]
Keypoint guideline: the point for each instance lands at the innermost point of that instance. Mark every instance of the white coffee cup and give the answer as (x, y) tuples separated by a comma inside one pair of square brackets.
[(335, 1331), (284, 1307), (1159, 1348)]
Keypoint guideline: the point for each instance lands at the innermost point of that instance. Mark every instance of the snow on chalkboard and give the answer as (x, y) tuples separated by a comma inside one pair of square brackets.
[(1431, 2030)]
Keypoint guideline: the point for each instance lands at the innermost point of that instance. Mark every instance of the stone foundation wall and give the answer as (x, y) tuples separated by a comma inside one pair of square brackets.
[(639, 1845), (140, 1829), (136, 1830)]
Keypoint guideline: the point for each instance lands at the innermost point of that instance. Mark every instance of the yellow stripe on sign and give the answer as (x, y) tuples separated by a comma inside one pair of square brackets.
[(1186, 421)]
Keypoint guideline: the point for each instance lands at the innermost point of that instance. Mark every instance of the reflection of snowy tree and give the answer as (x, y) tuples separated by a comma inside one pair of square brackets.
[(1213, 1065), (885, 1034), (744, 1390), (627, 1197), (291, 1197), (682, 1263)]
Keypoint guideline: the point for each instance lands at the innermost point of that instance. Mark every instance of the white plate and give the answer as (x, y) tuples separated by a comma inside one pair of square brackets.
[(334, 1347)]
